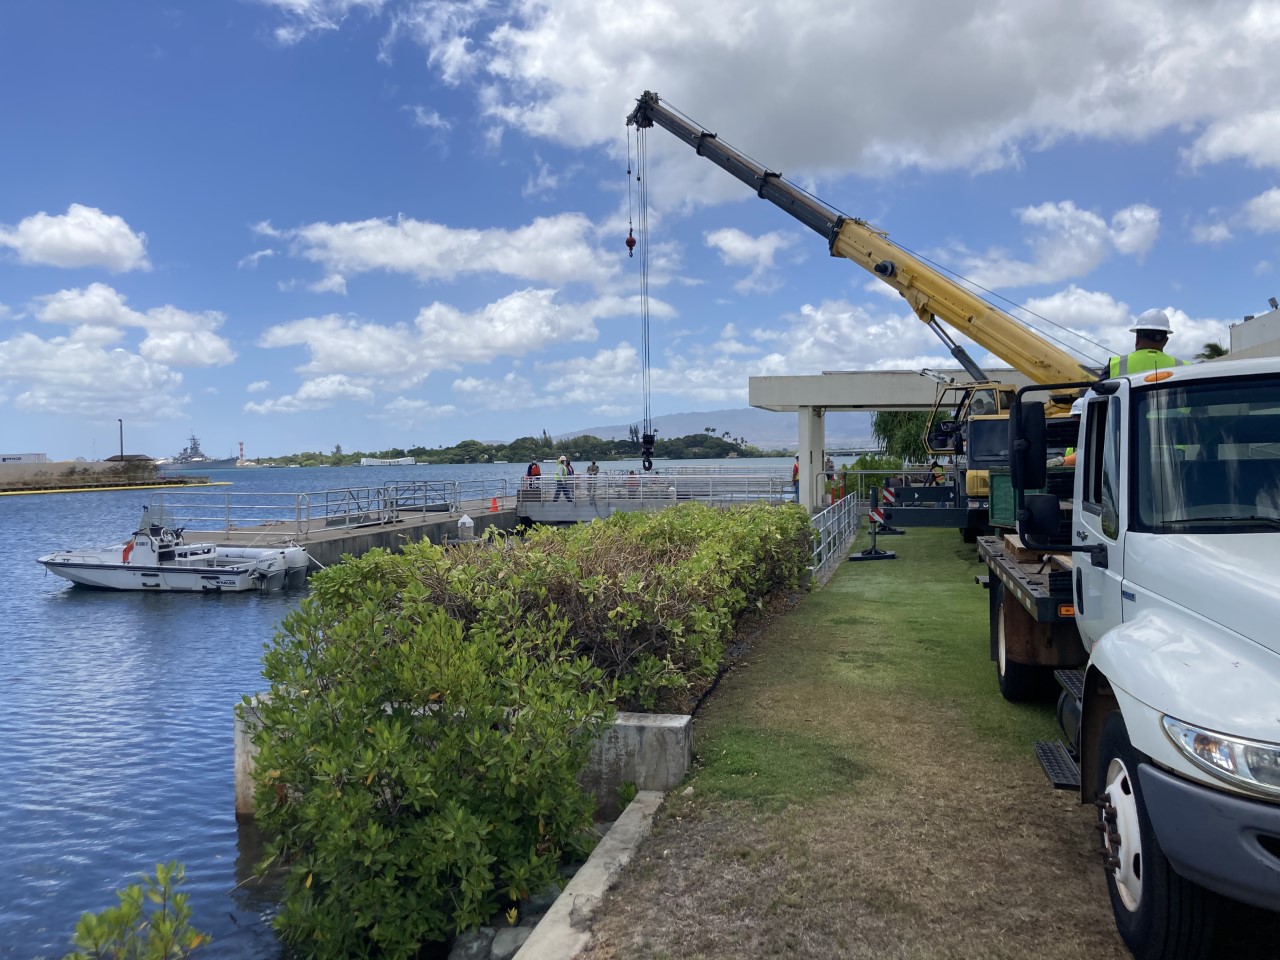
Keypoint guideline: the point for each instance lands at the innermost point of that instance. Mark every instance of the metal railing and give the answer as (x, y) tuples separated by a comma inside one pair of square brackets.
[(633, 490), (834, 530), (283, 516), (291, 515)]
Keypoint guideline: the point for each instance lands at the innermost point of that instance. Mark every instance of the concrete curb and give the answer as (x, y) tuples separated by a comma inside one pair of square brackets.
[(563, 933)]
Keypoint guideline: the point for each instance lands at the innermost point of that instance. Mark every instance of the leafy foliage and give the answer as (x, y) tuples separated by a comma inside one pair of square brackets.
[(900, 433), (1211, 351), (705, 445), (131, 931), (417, 774), (886, 468), (651, 597), (430, 711)]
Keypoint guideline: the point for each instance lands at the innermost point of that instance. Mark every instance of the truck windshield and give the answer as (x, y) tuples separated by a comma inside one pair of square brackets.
[(1207, 457)]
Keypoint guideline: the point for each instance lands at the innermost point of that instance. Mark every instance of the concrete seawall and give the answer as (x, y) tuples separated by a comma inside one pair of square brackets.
[(654, 751)]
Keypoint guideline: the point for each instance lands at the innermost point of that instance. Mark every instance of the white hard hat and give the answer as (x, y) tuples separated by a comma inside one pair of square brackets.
[(1152, 320), (1077, 407)]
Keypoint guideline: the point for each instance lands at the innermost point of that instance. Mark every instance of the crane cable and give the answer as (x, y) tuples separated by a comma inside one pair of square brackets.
[(647, 437)]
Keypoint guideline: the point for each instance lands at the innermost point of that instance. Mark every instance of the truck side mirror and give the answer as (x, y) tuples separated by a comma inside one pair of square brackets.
[(1040, 516), (1027, 447)]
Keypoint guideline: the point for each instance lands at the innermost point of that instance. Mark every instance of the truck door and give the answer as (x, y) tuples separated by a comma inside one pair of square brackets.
[(1100, 517)]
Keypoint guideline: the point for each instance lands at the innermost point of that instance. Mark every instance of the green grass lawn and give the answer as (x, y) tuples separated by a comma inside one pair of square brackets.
[(910, 634)]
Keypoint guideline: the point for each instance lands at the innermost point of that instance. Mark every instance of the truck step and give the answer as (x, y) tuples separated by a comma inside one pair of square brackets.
[(1071, 681), (1058, 766)]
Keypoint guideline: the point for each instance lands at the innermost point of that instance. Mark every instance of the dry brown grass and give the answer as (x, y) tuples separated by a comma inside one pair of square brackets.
[(849, 803)]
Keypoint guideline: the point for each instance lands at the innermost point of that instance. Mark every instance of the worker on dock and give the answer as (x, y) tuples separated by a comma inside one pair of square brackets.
[(564, 477)]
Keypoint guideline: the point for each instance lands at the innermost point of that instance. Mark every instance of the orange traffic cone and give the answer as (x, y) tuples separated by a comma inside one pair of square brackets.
[(493, 505)]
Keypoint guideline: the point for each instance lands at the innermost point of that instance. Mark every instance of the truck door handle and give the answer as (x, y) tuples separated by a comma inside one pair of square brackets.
[(1080, 591)]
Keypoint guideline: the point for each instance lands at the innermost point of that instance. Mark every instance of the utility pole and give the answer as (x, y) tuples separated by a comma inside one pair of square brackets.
[(120, 421)]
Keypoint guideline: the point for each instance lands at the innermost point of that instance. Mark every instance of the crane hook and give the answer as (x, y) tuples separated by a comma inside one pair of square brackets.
[(631, 244)]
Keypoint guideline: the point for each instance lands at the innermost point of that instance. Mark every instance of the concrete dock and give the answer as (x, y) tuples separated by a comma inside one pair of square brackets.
[(327, 545)]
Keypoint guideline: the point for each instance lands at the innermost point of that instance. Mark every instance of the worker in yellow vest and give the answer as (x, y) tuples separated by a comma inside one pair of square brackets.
[(1153, 331)]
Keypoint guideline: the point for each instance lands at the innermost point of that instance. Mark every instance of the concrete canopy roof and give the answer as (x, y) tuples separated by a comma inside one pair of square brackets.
[(860, 389)]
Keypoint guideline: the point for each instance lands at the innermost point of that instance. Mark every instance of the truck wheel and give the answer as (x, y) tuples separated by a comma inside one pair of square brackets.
[(1160, 915), (1019, 682)]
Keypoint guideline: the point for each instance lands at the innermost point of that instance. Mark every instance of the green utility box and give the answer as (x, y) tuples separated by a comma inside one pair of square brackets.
[(1003, 503)]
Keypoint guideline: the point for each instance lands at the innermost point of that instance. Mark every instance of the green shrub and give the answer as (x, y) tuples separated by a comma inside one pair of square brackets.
[(131, 931), (430, 711), (417, 775), (652, 597)]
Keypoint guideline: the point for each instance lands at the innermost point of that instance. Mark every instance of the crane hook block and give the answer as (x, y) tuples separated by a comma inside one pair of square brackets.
[(631, 244)]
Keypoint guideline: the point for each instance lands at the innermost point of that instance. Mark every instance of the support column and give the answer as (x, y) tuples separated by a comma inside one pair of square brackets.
[(813, 440)]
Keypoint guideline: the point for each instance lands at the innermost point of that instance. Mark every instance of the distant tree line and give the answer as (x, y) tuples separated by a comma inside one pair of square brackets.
[(708, 445)]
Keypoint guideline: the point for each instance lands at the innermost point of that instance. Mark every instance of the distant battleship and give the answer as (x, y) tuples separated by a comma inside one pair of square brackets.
[(193, 458)]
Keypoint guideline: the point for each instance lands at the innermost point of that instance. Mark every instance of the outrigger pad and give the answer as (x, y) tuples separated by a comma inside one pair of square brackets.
[(873, 554)]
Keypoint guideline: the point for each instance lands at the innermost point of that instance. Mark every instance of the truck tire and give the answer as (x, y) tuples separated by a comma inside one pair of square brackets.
[(1160, 915), (1019, 682)]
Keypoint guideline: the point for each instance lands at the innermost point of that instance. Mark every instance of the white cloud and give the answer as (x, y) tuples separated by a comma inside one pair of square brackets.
[(173, 337), (1106, 321), (410, 411), (522, 322), (340, 344), (444, 337), (554, 249), (1252, 137), (258, 386), (1262, 213), (333, 283), (541, 182), (1211, 234), (1068, 242), (304, 17), (253, 259), (999, 81), (81, 237), (430, 119), (80, 377), (318, 394), (740, 249), (510, 392)]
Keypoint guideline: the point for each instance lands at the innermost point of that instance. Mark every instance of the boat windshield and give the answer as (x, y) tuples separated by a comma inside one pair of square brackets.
[(1207, 457)]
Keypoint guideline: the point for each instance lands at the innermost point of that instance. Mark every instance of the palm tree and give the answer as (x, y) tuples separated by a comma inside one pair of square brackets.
[(1212, 350)]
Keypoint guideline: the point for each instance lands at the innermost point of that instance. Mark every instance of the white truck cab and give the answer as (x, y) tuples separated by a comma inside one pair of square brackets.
[(1175, 726)]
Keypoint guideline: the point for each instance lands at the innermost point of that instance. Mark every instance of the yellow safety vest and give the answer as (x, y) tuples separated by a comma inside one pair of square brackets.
[(1141, 360)]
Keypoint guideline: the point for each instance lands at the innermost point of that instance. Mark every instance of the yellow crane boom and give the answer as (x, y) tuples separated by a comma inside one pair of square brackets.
[(931, 294)]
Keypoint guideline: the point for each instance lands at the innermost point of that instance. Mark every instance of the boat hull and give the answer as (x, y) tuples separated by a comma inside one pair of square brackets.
[(182, 568), (161, 579)]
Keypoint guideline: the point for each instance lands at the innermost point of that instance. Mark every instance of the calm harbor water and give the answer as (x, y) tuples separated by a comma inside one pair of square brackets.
[(116, 714)]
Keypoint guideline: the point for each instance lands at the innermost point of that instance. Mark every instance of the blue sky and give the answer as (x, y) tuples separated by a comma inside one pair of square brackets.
[(378, 223)]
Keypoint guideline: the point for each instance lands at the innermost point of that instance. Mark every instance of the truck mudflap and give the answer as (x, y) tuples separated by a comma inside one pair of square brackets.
[(1224, 842)]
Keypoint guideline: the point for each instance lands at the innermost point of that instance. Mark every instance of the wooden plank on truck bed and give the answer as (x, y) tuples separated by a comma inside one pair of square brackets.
[(1013, 544), (1062, 561)]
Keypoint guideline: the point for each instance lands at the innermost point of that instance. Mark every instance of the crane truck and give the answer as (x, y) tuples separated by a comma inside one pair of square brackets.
[(1145, 581), (972, 438), (1154, 593)]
